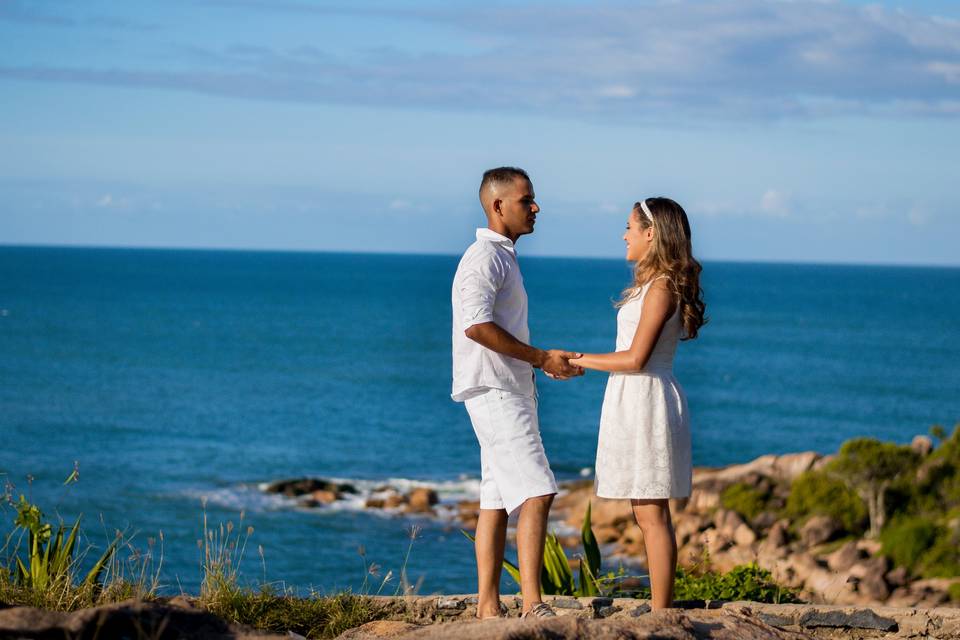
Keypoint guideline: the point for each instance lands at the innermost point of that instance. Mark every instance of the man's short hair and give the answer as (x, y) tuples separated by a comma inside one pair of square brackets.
[(501, 175)]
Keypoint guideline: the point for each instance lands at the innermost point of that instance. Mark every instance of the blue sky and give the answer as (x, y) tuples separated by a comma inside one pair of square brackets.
[(797, 130)]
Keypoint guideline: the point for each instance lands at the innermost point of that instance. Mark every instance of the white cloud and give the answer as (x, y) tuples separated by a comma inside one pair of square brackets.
[(775, 203), (645, 61)]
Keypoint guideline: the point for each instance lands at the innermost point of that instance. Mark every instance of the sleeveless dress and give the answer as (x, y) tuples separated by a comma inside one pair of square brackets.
[(644, 446)]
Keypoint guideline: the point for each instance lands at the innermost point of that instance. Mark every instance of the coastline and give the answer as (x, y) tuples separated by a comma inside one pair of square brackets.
[(813, 555)]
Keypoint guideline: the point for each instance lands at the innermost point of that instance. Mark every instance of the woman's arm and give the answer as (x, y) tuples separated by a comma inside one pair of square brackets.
[(658, 305)]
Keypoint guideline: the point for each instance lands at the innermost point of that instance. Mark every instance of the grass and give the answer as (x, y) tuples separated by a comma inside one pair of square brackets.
[(134, 573)]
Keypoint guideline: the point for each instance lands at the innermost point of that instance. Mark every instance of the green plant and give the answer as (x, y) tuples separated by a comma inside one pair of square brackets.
[(905, 540), (869, 467), (556, 577), (816, 493), (51, 560), (954, 592), (745, 499), (743, 582), (316, 616)]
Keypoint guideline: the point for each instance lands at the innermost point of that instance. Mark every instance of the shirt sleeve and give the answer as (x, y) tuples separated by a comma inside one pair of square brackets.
[(479, 282)]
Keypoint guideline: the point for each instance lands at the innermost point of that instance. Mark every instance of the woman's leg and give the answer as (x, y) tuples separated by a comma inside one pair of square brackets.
[(653, 516)]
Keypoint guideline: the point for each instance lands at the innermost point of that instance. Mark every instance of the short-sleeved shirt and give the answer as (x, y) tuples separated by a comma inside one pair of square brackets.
[(488, 287)]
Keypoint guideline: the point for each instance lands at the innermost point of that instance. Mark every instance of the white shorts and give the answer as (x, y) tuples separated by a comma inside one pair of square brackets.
[(513, 465)]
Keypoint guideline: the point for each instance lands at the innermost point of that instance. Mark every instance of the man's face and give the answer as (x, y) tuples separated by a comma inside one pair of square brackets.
[(517, 207)]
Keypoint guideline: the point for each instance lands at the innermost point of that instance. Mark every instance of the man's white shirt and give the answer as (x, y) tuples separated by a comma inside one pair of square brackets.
[(488, 287)]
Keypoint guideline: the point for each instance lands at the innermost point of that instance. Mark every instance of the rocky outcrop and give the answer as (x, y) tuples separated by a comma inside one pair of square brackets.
[(426, 618), (806, 556), (174, 620)]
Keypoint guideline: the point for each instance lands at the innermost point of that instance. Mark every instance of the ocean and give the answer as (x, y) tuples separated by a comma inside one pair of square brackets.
[(176, 379)]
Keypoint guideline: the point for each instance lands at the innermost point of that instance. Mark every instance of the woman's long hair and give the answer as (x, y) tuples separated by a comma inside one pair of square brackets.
[(671, 255)]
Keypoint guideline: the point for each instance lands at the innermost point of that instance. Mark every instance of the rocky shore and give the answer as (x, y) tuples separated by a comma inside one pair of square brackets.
[(813, 556), (442, 617)]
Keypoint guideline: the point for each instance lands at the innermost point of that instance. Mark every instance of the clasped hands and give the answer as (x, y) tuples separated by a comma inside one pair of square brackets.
[(557, 364)]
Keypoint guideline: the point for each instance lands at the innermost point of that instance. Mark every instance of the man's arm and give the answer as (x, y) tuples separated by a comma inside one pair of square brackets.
[(494, 337)]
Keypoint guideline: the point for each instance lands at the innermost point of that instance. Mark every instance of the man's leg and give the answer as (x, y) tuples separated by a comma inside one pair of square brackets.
[(491, 539), (531, 536)]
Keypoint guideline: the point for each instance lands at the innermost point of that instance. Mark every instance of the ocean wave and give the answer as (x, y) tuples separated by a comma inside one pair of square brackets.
[(254, 497)]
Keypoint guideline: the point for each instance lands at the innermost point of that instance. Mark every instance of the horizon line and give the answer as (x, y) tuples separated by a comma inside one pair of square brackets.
[(198, 249)]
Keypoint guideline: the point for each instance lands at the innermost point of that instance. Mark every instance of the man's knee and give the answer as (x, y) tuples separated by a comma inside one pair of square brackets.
[(543, 501)]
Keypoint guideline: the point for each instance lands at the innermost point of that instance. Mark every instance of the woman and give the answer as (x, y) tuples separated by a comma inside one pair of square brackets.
[(643, 452)]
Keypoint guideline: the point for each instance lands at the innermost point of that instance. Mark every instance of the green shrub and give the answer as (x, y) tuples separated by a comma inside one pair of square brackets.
[(954, 592), (313, 617), (942, 559), (906, 540), (744, 582), (745, 499), (816, 493)]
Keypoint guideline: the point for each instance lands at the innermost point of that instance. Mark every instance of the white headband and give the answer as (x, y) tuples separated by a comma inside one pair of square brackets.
[(646, 210)]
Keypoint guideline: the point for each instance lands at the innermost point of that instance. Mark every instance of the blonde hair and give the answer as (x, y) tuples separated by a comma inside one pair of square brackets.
[(670, 255)]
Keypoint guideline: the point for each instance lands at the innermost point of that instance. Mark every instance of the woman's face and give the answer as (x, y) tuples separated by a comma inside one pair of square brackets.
[(637, 238)]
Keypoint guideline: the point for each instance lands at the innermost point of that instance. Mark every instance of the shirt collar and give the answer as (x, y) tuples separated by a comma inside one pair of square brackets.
[(492, 236)]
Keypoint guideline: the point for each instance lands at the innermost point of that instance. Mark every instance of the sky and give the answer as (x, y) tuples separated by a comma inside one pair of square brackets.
[(790, 130)]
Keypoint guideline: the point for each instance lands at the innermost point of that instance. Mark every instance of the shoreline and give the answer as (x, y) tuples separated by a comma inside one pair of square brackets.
[(813, 555)]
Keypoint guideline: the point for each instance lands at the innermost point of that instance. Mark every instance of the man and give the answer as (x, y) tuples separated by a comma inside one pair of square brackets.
[(493, 376)]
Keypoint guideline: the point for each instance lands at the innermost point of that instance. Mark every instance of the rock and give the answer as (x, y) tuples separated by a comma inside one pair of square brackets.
[(789, 466), (379, 629), (566, 603), (128, 619), (897, 577), (875, 566), (667, 624), (685, 527), (763, 520), (795, 569), (870, 547), (778, 535), (299, 486), (631, 543), (374, 503), (691, 554), (856, 619), (819, 529), (703, 500), (324, 496), (454, 603), (606, 513), (303, 486), (727, 521), (844, 557), (715, 541), (922, 445), (744, 536), (606, 534), (874, 588), (393, 501), (421, 500)]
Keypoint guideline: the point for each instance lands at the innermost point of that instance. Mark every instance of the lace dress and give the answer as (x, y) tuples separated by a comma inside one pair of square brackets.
[(644, 445)]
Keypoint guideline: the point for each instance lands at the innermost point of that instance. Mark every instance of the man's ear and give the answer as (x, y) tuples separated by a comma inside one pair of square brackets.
[(496, 205)]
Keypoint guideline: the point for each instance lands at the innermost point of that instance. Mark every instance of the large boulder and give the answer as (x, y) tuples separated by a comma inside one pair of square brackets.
[(128, 619), (819, 529), (844, 557), (421, 500)]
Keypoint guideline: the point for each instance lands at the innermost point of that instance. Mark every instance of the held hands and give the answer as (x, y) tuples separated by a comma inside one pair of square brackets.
[(557, 364)]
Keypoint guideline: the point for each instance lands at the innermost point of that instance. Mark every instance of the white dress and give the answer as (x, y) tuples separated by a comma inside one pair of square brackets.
[(644, 445)]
